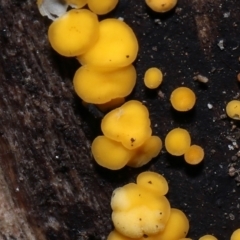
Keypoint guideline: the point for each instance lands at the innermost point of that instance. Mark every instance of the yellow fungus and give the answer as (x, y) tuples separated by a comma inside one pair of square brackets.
[(115, 159), (208, 237), (128, 124), (114, 103), (98, 87), (153, 78), (235, 235), (102, 7), (154, 182), (137, 212), (161, 5), (177, 141), (77, 3), (183, 99), (115, 235), (148, 150), (194, 155), (116, 47), (74, 33), (233, 109)]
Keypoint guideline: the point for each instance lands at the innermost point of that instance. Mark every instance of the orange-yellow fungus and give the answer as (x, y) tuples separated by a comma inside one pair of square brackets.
[(74, 33), (102, 7), (177, 141), (110, 154), (194, 154), (235, 235), (138, 212), (208, 237), (114, 103), (161, 5), (183, 99), (153, 78), (148, 150), (233, 109), (115, 235), (117, 46), (154, 182), (98, 87), (128, 124)]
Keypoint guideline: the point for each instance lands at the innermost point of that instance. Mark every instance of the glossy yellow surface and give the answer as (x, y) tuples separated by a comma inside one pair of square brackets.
[(161, 5), (233, 109), (153, 78), (194, 155)]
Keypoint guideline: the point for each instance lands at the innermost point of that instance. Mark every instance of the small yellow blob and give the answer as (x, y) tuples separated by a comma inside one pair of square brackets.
[(128, 124), (94, 86), (153, 78), (161, 5), (102, 7), (177, 141), (110, 154), (116, 47), (183, 99), (154, 182), (77, 3), (235, 235), (233, 109), (148, 150), (208, 237), (194, 155), (74, 33)]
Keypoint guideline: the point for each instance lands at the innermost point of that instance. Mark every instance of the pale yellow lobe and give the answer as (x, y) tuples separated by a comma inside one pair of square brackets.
[(116, 47), (74, 33), (153, 78), (183, 99), (233, 109), (177, 141), (102, 7), (128, 124), (94, 86), (161, 5)]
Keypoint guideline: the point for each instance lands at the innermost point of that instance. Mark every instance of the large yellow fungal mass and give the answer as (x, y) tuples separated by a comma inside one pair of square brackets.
[(128, 124), (116, 47), (177, 141), (183, 99), (74, 33), (97, 87)]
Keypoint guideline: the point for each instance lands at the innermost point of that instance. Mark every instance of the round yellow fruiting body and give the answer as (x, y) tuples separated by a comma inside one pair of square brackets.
[(177, 141), (153, 78), (102, 7), (128, 124), (77, 3), (115, 160), (148, 150), (235, 235), (177, 227), (138, 212), (97, 87), (183, 99), (154, 182), (161, 5), (233, 109), (208, 237), (74, 33), (116, 47), (194, 155)]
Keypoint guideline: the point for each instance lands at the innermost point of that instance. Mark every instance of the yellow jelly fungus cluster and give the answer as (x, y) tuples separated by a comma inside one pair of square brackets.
[(233, 109), (127, 136), (178, 143), (161, 5), (153, 78), (183, 99), (235, 235), (56, 8), (141, 210)]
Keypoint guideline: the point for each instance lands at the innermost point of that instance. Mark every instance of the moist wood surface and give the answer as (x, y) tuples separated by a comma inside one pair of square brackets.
[(50, 187)]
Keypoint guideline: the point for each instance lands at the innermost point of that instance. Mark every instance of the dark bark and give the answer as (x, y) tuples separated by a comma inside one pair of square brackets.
[(50, 187)]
